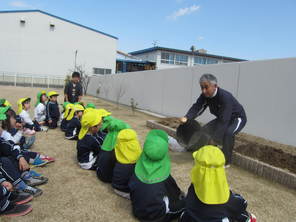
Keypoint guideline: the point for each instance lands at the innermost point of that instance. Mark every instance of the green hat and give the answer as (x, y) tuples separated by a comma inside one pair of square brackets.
[(154, 165), (90, 105), (65, 104), (3, 110), (106, 122), (39, 94), (114, 127), (2, 101)]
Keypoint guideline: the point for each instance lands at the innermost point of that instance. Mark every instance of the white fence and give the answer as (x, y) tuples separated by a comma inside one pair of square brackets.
[(266, 89), (16, 79)]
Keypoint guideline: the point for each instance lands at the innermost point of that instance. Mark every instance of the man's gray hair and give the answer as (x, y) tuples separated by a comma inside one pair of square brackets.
[(208, 78)]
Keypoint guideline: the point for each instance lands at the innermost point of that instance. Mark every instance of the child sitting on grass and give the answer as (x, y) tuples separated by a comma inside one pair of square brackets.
[(127, 152), (209, 198), (52, 110), (23, 111), (40, 110), (8, 122), (106, 160), (67, 110), (88, 146), (12, 203), (74, 126), (154, 193)]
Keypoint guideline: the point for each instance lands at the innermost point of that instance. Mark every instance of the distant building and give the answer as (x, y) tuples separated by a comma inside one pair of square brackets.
[(128, 63), (38, 43), (172, 58)]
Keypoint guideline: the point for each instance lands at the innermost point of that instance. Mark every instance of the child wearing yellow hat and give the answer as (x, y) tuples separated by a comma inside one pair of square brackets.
[(154, 193), (52, 110), (127, 152), (65, 113), (73, 127), (209, 198), (88, 146)]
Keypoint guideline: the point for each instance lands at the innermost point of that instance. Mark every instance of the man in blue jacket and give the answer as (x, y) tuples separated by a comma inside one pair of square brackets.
[(230, 114)]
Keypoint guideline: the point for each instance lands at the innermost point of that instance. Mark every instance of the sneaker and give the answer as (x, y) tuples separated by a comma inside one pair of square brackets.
[(35, 181), (227, 166), (44, 128), (33, 191), (48, 159), (20, 197), (14, 210), (252, 218), (38, 162)]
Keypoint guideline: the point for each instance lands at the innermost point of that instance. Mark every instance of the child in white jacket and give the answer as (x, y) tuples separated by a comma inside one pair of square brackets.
[(40, 109)]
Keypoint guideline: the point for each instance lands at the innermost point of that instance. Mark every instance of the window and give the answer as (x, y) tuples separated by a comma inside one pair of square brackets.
[(22, 22), (51, 27), (172, 58), (203, 60), (181, 59), (167, 58), (200, 60), (212, 61), (101, 71)]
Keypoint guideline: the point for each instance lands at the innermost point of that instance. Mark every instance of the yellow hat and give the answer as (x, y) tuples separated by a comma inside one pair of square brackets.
[(103, 112), (68, 109), (76, 107), (208, 176), (20, 104), (128, 148), (88, 120), (52, 93), (6, 103)]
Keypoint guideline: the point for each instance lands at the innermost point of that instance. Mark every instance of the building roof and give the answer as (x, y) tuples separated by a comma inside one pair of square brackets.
[(57, 17), (152, 49)]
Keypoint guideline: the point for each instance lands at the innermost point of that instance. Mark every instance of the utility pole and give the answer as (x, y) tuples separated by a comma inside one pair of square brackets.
[(76, 51)]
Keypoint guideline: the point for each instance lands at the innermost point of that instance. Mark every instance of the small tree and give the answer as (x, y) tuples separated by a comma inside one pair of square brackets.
[(134, 105)]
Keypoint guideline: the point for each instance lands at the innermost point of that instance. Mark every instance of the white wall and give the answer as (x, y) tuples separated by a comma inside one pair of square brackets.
[(266, 89), (34, 49)]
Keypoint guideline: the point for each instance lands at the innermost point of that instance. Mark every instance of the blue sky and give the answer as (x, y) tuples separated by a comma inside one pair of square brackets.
[(248, 29)]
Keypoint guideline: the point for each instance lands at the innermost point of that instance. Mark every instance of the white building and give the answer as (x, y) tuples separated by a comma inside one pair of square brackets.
[(38, 43), (171, 58)]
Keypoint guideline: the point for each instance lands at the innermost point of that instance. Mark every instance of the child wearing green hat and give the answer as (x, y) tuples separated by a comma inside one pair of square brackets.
[(154, 193), (40, 110)]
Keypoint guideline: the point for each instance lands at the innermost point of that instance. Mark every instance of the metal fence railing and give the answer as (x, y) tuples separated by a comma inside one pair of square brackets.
[(16, 79)]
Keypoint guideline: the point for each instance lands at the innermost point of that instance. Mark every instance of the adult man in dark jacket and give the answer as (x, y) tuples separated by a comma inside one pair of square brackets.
[(73, 89), (230, 114)]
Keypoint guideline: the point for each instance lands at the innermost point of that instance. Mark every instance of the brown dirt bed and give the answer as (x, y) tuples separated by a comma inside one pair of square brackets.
[(275, 154)]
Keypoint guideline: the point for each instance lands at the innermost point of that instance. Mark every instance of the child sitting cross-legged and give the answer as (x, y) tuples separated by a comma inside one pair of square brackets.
[(52, 110), (88, 146), (209, 198), (127, 152), (65, 115), (154, 193), (74, 125), (40, 110)]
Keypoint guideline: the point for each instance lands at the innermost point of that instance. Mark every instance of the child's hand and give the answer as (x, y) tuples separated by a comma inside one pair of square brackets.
[(49, 121), (23, 164), (7, 185)]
